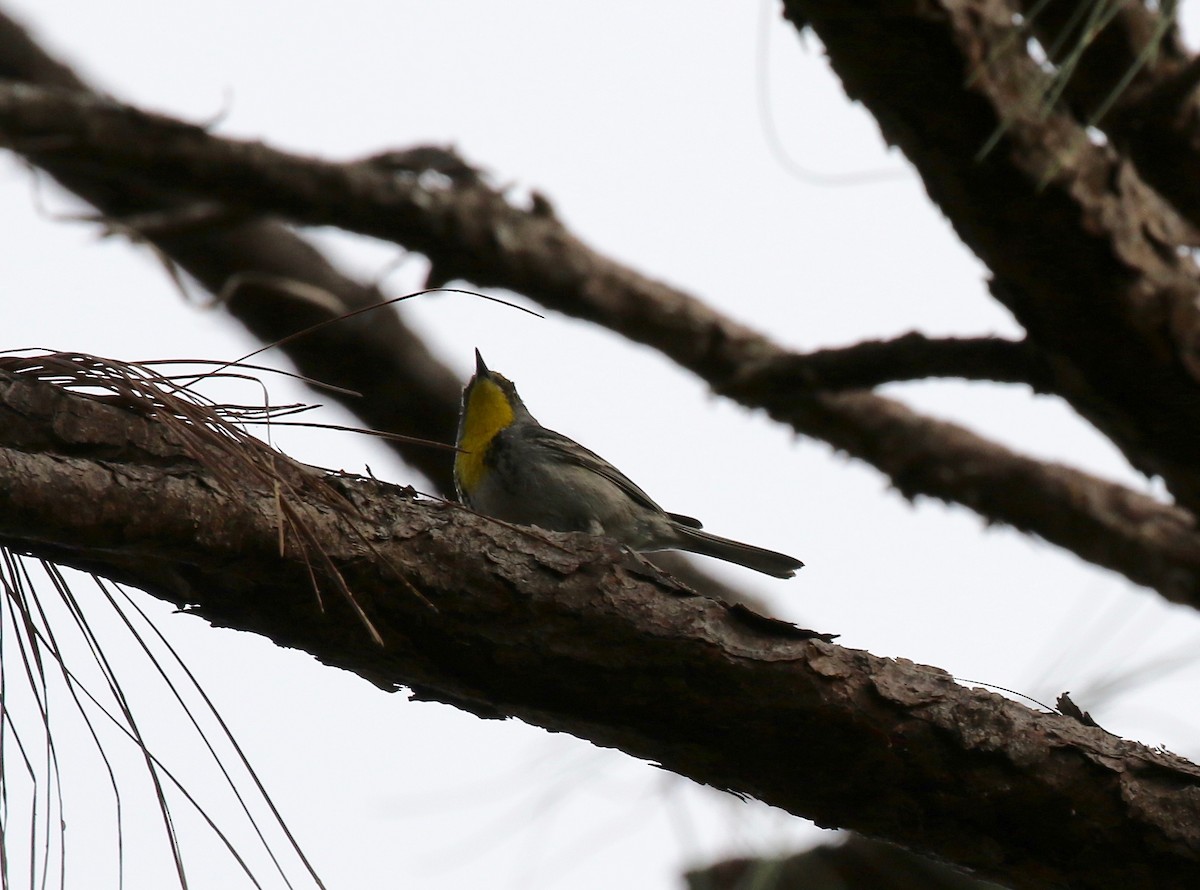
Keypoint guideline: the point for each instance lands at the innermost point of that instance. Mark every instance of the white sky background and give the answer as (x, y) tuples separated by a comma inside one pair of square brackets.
[(641, 123)]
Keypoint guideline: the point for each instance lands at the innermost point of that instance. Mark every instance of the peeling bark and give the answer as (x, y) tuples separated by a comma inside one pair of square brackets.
[(575, 634)]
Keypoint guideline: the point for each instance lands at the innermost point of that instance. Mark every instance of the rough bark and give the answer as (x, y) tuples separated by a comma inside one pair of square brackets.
[(1132, 77), (1081, 250), (473, 230), (572, 633), (274, 283)]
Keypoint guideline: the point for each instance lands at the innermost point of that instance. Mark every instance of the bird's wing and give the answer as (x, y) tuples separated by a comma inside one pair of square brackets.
[(571, 452)]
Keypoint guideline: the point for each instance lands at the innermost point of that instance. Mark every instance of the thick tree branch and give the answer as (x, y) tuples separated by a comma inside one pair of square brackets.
[(264, 270), (470, 231), (574, 634), (1080, 248), (473, 230), (276, 283), (1135, 80), (1104, 523)]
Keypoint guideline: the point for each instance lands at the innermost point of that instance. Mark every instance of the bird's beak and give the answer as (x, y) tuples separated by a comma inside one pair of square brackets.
[(481, 370)]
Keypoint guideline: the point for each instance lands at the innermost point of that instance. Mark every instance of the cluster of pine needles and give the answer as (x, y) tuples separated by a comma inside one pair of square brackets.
[(59, 649)]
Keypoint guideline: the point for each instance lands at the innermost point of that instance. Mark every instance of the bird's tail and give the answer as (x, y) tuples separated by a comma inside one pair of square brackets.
[(768, 562)]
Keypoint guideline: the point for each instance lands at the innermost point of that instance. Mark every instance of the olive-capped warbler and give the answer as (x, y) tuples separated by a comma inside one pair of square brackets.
[(510, 467)]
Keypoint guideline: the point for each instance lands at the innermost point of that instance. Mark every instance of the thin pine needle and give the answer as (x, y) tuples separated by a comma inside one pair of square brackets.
[(195, 724), (283, 341), (168, 775), (47, 630), (212, 709), (235, 458), (119, 697)]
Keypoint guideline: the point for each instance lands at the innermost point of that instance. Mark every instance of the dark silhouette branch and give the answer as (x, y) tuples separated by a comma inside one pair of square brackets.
[(1134, 79), (566, 632), (1150, 543), (912, 356), (1079, 247), (263, 270), (855, 864), (275, 283), (524, 621)]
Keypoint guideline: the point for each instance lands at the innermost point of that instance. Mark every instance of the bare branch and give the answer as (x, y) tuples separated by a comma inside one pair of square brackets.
[(912, 356), (855, 864), (403, 388), (257, 268), (563, 630), (22, 59), (475, 231), (1081, 250), (1107, 524)]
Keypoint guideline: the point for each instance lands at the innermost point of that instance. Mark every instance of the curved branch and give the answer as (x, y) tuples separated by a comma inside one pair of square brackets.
[(1081, 250), (912, 356), (1105, 523), (863, 365), (563, 631), (263, 270), (472, 230)]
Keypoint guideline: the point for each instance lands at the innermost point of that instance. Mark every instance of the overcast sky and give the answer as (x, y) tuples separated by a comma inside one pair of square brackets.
[(649, 127)]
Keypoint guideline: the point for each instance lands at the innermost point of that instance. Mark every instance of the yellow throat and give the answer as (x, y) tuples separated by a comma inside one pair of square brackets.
[(487, 411)]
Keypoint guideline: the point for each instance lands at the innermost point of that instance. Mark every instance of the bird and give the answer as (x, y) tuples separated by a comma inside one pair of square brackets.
[(510, 467)]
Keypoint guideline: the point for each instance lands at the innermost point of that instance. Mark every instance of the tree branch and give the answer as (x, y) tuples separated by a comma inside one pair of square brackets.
[(563, 631), (857, 863), (1104, 523), (262, 269), (473, 230), (1079, 246), (912, 356), (1134, 79)]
